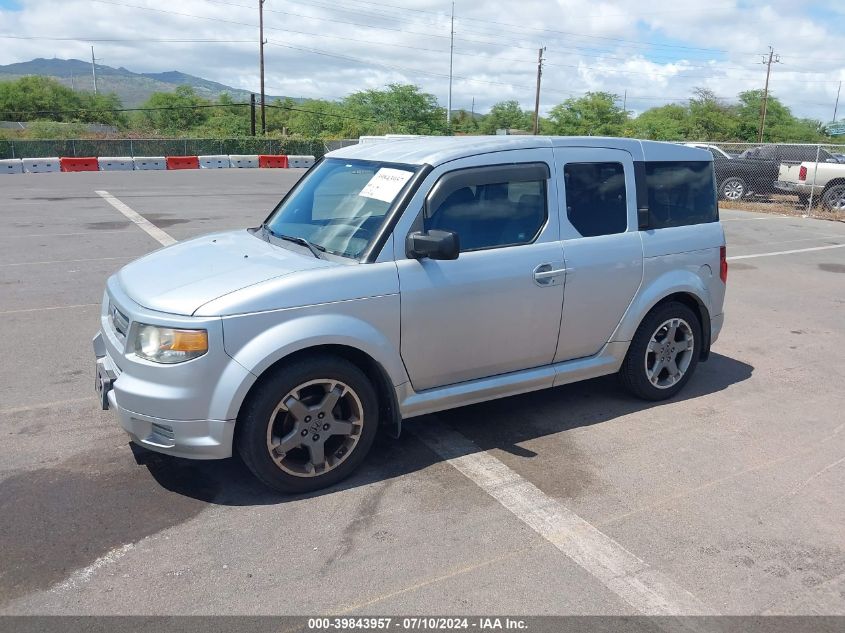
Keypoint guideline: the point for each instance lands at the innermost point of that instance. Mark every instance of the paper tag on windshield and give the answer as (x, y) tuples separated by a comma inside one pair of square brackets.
[(386, 184)]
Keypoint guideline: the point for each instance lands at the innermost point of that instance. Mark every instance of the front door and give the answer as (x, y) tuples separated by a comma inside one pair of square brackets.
[(497, 307)]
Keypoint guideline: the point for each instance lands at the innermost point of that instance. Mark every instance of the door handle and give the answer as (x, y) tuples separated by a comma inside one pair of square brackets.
[(546, 275)]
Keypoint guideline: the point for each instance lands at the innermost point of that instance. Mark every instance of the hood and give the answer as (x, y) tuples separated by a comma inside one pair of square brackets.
[(180, 278)]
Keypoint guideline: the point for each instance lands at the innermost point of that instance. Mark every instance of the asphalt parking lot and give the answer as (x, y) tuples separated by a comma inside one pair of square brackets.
[(731, 493)]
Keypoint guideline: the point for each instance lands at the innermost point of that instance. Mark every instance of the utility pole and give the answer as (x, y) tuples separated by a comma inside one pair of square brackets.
[(94, 70), (252, 113), (261, 63), (537, 96), (836, 106), (764, 105), (451, 55), (625, 101)]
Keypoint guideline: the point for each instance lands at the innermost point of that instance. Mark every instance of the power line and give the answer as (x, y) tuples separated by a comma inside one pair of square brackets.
[(119, 39), (405, 69), (404, 31), (498, 41), (474, 54), (532, 29), (200, 106)]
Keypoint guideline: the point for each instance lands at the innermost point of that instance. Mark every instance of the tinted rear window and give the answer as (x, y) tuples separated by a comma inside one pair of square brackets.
[(680, 193), (595, 198)]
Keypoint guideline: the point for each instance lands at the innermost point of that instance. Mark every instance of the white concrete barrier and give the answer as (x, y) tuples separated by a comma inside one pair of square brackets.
[(150, 162), (11, 166), (40, 165), (300, 161), (214, 162), (243, 160), (116, 163)]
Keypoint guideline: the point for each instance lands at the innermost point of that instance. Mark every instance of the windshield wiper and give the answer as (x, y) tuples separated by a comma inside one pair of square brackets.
[(315, 249)]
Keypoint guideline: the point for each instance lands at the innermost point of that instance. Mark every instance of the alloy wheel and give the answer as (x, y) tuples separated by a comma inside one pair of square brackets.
[(315, 427), (834, 199), (733, 189), (669, 353)]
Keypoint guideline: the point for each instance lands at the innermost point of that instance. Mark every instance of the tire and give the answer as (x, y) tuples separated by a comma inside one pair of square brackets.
[(644, 354), (297, 406), (834, 198), (733, 189)]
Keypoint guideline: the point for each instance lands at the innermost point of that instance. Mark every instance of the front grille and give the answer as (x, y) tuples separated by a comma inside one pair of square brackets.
[(119, 321)]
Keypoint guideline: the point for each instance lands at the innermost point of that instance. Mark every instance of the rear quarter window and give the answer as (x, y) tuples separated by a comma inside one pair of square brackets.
[(680, 193)]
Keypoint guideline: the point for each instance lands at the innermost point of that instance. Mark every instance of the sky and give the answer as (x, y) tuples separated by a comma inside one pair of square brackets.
[(647, 53)]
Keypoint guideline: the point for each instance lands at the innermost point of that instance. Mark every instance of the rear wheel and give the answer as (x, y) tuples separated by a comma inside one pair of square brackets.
[(663, 353), (308, 425), (834, 198), (733, 189)]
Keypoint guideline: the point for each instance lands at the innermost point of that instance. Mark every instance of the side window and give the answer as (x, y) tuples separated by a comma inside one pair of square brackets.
[(595, 198), (490, 207), (680, 193)]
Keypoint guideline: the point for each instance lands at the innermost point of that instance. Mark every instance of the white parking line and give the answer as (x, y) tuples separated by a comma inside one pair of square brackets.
[(768, 217), (66, 261), (84, 575), (623, 573), (151, 229), (797, 250), (77, 305)]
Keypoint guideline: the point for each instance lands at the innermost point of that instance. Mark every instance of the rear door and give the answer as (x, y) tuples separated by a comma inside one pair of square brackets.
[(601, 245)]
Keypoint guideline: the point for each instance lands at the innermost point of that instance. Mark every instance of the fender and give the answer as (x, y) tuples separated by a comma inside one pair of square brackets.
[(668, 283), (368, 325)]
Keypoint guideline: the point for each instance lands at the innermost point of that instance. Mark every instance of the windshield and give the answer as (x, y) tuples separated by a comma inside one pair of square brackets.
[(341, 204)]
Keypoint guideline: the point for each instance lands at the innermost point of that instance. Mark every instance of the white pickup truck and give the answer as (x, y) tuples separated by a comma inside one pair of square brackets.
[(825, 182)]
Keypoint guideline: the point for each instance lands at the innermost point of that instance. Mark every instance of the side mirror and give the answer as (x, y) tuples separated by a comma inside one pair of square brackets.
[(432, 244)]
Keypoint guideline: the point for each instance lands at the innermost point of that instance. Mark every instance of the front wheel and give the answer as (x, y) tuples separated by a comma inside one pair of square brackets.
[(308, 424), (663, 353), (733, 189)]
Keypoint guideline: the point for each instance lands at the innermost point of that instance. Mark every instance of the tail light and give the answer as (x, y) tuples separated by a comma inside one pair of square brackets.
[(723, 264), (802, 173)]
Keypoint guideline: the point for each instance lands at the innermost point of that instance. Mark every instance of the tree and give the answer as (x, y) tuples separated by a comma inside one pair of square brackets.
[(709, 118), (175, 112), (463, 121), (401, 108), (506, 115), (101, 108), (781, 125), (316, 117), (228, 120), (594, 114), (38, 98), (664, 123)]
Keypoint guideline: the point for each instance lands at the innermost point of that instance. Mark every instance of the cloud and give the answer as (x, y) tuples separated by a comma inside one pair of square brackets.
[(656, 52)]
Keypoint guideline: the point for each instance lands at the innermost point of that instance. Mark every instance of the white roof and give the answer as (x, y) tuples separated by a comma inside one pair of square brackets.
[(435, 150)]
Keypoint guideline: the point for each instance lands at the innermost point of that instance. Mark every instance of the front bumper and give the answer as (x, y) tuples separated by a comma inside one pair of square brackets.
[(183, 409), (194, 439)]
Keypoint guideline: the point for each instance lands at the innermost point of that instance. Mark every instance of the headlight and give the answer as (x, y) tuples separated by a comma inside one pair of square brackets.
[(169, 345)]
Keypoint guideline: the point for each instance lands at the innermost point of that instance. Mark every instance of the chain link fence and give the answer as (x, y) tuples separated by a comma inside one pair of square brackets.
[(795, 179), (159, 147)]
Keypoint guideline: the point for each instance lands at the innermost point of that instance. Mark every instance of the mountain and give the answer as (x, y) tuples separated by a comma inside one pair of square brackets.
[(132, 88)]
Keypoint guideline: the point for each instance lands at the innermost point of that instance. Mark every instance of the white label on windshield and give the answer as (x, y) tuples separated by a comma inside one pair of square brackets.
[(386, 184)]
